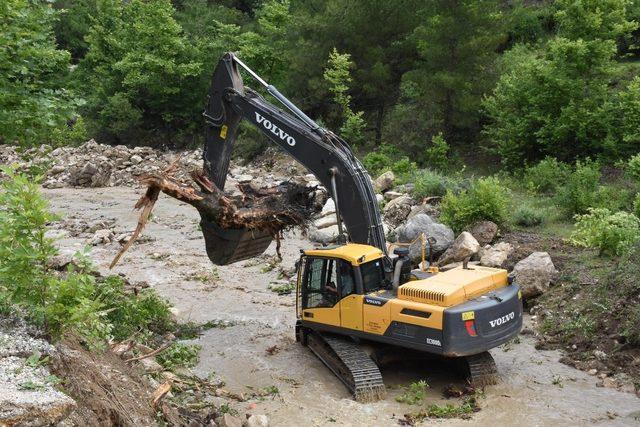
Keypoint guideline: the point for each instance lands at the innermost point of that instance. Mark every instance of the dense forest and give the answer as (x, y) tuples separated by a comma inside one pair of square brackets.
[(435, 81)]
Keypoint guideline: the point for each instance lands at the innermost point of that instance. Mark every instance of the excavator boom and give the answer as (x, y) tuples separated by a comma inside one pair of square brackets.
[(323, 153)]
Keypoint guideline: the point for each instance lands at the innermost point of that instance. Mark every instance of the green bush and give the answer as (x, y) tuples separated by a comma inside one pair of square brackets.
[(611, 233), (486, 199), (546, 176), (130, 313), (579, 191), (636, 205), (437, 155), (76, 302), (427, 182), (633, 167), (403, 169), (179, 355), (376, 163), (528, 216), (67, 134)]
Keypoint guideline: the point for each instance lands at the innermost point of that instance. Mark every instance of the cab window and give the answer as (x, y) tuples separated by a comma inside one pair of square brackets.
[(321, 284), (373, 278), (347, 278)]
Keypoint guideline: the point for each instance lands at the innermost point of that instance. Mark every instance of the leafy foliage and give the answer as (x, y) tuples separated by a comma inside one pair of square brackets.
[(427, 182), (75, 302), (179, 355), (633, 167), (436, 156), (139, 71), (486, 199), (539, 107), (528, 216), (546, 176), (611, 233), (579, 191), (415, 393), (33, 99)]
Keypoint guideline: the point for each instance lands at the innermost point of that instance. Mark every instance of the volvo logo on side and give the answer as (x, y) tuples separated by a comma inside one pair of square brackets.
[(271, 127), (502, 320)]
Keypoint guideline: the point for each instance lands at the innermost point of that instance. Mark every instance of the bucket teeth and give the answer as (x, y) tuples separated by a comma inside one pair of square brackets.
[(350, 364)]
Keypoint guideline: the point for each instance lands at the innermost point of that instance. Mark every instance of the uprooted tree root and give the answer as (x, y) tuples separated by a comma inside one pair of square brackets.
[(270, 210)]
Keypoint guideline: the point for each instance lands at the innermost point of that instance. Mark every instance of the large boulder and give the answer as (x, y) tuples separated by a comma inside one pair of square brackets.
[(497, 255), (484, 232), (534, 274), (462, 248), (442, 235), (397, 210), (324, 236), (384, 182), (424, 208), (329, 208), (325, 221)]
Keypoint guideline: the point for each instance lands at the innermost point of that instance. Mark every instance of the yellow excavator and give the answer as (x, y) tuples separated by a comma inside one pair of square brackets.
[(355, 292)]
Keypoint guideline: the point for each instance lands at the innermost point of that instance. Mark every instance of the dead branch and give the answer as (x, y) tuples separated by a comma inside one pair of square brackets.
[(158, 350)]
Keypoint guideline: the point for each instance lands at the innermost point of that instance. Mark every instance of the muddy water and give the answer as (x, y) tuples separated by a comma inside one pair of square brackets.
[(535, 389)]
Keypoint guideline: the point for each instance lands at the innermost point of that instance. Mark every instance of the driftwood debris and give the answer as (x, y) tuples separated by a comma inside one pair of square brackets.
[(270, 210)]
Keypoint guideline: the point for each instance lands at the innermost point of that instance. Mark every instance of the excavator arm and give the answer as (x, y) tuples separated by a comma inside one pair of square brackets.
[(322, 152)]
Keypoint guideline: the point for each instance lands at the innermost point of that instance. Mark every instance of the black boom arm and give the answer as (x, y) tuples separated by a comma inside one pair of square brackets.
[(323, 153)]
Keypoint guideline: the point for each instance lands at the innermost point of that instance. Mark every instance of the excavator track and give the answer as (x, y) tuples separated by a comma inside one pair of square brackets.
[(481, 370), (350, 364)]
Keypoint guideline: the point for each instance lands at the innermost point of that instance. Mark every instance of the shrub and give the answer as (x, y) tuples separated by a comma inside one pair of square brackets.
[(376, 163), (633, 167), (404, 168), (427, 182), (486, 199), (546, 176), (436, 156), (130, 313), (69, 134), (179, 355), (528, 216), (611, 233), (579, 191), (76, 302), (414, 394)]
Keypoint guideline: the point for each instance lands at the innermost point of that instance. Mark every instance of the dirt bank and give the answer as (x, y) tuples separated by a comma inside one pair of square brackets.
[(536, 389)]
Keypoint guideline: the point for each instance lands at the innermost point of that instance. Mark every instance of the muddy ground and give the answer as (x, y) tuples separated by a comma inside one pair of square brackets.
[(535, 388)]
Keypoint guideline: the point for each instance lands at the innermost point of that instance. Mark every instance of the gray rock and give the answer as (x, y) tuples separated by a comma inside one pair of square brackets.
[(397, 210), (497, 255), (135, 159), (325, 221), (244, 178), (484, 232), (324, 236), (419, 224), (328, 208), (102, 236), (384, 182), (424, 208), (258, 420), (150, 364), (228, 420), (390, 195), (379, 198), (463, 247), (534, 274)]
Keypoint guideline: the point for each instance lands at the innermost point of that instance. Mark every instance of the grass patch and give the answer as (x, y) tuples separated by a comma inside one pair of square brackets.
[(465, 409), (282, 288), (414, 394)]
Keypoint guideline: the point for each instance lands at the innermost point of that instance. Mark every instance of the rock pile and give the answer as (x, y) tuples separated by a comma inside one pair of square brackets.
[(93, 164), (28, 394)]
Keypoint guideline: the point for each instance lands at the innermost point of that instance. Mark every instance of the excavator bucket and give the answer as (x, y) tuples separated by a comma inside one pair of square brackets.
[(226, 246)]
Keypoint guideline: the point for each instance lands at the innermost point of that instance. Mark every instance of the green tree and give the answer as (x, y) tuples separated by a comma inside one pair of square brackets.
[(140, 72), (74, 24), (33, 100), (338, 77), (457, 44), (556, 101)]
